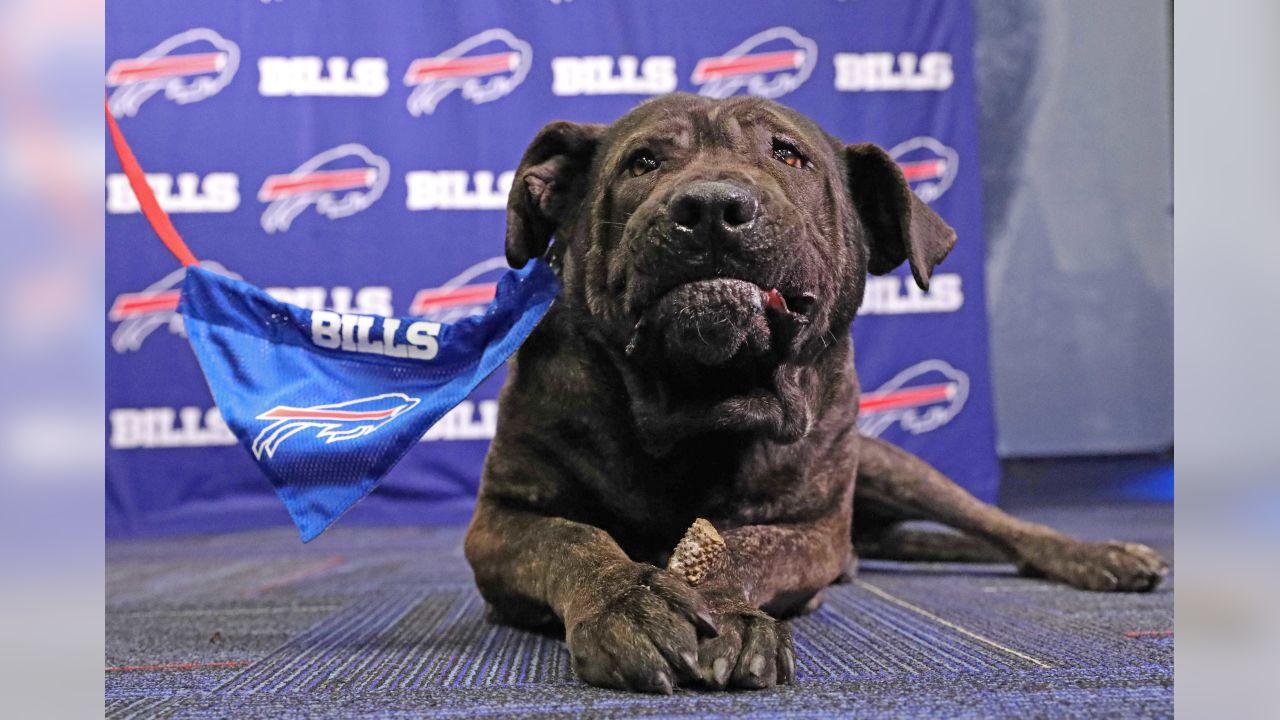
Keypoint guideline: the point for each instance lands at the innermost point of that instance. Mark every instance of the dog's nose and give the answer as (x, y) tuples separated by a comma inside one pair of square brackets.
[(711, 207)]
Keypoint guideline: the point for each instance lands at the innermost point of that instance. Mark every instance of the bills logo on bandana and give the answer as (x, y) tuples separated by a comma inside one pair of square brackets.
[(188, 67), (327, 181), (275, 371), (467, 293), (483, 68), (333, 423), (769, 72), (922, 398), (141, 313), (929, 166)]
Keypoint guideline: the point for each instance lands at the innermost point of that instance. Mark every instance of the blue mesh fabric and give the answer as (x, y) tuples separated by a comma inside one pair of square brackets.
[(328, 404)]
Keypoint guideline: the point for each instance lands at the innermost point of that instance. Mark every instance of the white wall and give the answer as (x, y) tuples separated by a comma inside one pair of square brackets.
[(1076, 111)]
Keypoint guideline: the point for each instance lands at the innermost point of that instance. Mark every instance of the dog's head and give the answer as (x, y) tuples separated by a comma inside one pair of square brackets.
[(716, 243)]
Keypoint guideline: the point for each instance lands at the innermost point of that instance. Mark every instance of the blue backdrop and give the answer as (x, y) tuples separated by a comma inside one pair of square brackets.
[(356, 157)]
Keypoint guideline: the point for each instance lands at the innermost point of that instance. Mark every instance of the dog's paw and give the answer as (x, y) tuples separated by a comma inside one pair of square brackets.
[(1106, 566), (643, 636), (752, 650)]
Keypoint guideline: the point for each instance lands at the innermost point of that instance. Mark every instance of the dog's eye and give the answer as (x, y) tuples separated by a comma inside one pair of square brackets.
[(642, 162), (787, 153)]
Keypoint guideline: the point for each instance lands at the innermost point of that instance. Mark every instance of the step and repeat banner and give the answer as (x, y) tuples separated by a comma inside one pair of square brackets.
[(356, 157)]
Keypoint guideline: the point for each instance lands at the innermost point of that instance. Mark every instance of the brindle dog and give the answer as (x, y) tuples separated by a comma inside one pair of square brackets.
[(698, 364)]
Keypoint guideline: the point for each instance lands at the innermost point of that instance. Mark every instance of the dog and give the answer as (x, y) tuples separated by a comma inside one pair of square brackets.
[(698, 363)]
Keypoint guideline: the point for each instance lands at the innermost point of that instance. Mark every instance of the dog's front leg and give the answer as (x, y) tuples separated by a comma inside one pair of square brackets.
[(895, 478), (777, 569), (627, 625)]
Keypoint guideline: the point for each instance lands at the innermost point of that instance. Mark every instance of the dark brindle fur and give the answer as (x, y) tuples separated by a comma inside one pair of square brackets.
[(698, 364)]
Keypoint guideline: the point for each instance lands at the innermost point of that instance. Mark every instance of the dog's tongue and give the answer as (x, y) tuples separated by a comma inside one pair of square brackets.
[(774, 300)]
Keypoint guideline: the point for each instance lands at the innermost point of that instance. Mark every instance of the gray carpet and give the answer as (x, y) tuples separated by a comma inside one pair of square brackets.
[(386, 622)]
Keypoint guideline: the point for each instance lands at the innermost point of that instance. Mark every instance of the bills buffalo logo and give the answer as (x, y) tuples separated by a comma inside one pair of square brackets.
[(770, 71), (188, 67), (332, 423), (482, 68), (929, 166), (142, 313), (468, 293), (341, 181), (922, 398)]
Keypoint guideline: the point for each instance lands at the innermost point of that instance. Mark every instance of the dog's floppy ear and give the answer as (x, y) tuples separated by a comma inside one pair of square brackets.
[(898, 224), (550, 182)]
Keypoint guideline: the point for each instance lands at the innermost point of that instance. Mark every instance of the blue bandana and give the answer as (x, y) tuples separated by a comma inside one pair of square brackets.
[(327, 402)]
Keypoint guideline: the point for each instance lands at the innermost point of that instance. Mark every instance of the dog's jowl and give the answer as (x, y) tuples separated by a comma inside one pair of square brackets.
[(698, 364)]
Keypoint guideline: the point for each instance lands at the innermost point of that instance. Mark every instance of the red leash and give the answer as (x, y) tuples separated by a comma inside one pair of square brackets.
[(147, 199)]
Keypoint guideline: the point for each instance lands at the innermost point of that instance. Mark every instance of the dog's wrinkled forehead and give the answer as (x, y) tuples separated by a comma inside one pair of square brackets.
[(690, 125)]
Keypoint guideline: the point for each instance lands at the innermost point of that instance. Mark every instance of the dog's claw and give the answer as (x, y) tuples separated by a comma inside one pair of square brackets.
[(750, 652), (634, 342), (689, 662), (706, 624), (786, 665), (720, 672), (663, 686)]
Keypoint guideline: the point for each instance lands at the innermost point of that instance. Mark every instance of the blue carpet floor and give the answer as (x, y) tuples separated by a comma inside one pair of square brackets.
[(385, 622)]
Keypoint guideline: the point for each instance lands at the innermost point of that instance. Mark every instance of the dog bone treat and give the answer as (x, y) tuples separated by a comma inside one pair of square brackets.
[(698, 553)]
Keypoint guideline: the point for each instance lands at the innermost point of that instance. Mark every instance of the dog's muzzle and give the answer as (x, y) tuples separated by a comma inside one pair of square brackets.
[(712, 322)]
